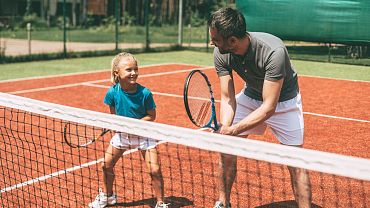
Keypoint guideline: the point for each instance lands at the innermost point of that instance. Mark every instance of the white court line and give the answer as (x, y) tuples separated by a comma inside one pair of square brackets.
[(161, 64), (97, 81), (154, 93), (85, 165), (92, 84), (332, 78), (46, 88), (42, 178), (85, 72), (307, 113), (336, 117)]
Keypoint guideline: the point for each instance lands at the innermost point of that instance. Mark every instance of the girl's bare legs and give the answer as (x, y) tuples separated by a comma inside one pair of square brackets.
[(112, 155), (153, 163)]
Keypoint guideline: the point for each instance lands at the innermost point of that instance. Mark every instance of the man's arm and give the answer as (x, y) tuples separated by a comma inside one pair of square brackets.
[(228, 103), (270, 96)]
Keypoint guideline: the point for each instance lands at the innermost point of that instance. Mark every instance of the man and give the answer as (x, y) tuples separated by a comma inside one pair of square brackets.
[(271, 96)]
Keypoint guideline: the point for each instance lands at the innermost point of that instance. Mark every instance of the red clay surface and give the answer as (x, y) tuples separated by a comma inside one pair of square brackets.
[(326, 97)]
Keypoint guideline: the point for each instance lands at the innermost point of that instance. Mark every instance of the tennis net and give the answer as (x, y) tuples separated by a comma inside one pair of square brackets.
[(38, 168)]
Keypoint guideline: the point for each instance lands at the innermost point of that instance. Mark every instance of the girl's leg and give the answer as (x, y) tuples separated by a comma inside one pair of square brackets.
[(153, 163), (112, 155)]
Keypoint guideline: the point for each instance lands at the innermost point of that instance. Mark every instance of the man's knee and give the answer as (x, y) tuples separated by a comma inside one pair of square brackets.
[(228, 162), (155, 172)]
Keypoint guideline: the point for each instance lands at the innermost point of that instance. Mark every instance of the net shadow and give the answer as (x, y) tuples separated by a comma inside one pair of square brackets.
[(284, 204), (175, 202)]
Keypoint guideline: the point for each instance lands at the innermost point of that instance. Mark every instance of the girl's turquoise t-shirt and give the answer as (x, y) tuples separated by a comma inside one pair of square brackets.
[(132, 105)]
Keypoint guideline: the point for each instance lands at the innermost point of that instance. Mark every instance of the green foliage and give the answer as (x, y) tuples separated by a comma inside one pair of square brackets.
[(60, 22), (35, 21), (196, 20), (127, 19), (17, 23), (138, 30), (109, 22), (89, 21)]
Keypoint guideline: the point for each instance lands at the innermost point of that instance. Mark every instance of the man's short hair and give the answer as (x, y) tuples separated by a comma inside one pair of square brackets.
[(228, 22)]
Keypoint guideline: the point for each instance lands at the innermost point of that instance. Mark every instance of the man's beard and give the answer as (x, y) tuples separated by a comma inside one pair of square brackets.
[(224, 51)]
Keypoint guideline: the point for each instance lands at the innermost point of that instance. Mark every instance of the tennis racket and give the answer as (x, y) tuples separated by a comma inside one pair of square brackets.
[(79, 135), (199, 101)]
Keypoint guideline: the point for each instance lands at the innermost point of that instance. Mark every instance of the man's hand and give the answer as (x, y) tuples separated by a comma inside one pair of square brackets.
[(227, 130)]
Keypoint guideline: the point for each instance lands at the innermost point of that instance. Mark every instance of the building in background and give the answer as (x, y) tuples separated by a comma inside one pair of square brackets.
[(77, 10), (93, 12)]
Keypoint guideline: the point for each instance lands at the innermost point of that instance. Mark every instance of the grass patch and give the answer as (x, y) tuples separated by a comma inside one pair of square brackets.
[(321, 53), (332, 70), (53, 56), (127, 34), (44, 68)]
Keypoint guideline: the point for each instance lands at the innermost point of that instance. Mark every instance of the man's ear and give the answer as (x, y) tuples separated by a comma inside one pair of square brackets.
[(232, 40)]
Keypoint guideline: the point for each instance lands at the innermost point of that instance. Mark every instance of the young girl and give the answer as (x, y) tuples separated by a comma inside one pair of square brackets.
[(128, 98)]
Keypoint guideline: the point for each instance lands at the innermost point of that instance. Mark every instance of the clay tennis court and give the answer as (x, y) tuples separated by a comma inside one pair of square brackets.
[(336, 121)]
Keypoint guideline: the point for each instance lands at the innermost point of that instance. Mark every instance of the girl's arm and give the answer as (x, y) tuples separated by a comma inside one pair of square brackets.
[(151, 114), (112, 110)]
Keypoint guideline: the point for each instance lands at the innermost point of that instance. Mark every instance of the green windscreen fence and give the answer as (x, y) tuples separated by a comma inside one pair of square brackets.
[(329, 21)]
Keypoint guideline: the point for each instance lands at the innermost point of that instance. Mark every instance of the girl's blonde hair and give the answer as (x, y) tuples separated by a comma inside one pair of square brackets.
[(115, 62)]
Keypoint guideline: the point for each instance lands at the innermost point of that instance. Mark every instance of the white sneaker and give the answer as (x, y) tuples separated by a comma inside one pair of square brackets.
[(162, 205), (102, 200), (219, 204)]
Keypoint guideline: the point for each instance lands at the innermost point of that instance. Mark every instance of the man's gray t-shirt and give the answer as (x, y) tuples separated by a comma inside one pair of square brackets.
[(266, 59)]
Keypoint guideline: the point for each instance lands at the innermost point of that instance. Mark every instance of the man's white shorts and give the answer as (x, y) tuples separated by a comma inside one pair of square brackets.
[(129, 141), (286, 123)]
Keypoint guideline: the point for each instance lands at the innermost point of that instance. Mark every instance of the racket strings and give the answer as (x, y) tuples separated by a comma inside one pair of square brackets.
[(79, 135), (199, 100), (203, 113)]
